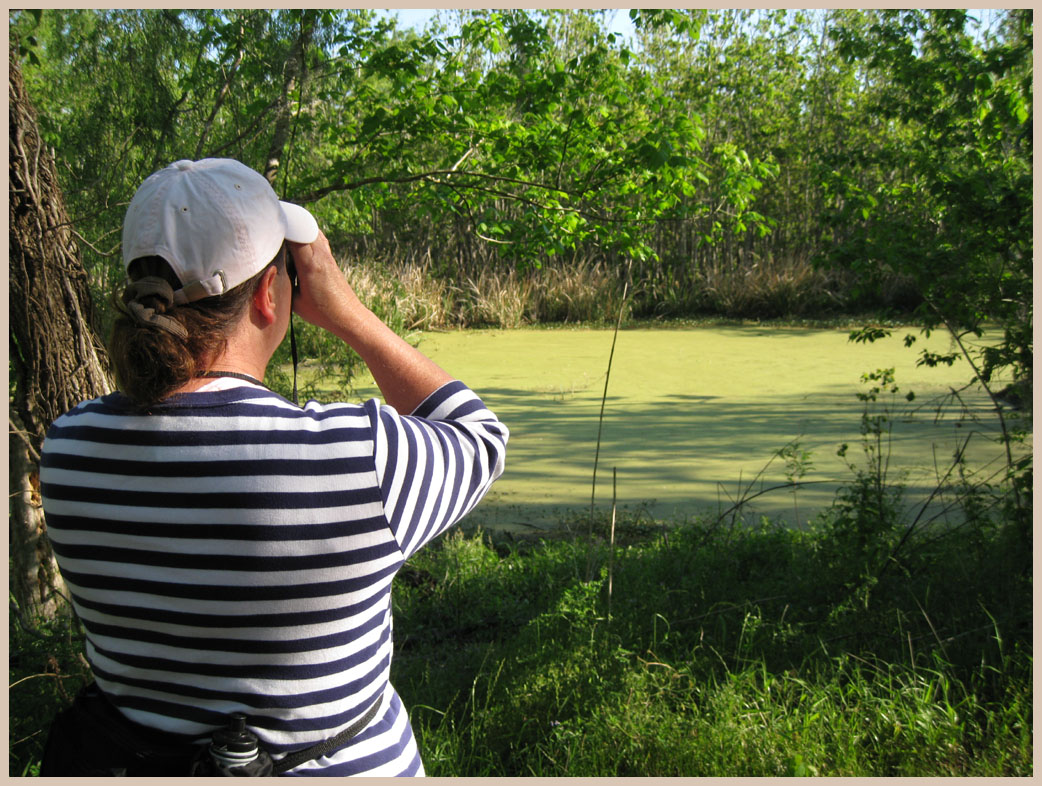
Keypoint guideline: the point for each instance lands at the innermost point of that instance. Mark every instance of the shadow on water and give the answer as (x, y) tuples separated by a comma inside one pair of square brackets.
[(693, 416), (680, 454)]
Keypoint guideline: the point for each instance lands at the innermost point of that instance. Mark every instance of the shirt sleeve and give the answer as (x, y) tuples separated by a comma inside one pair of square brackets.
[(435, 464)]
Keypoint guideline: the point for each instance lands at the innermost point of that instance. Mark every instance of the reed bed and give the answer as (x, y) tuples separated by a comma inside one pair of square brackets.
[(425, 297), (772, 287)]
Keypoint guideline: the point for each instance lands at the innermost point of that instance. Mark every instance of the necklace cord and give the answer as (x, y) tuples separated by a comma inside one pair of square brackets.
[(233, 374)]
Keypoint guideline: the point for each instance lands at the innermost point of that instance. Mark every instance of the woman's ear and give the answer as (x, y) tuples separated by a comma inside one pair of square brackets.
[(265, 295)]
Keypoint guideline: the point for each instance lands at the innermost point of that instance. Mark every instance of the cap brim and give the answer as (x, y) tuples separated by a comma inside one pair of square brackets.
[(301, 226)]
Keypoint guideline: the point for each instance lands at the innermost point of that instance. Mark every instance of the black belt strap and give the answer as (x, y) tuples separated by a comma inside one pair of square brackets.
[(322, 748), (143, 744)]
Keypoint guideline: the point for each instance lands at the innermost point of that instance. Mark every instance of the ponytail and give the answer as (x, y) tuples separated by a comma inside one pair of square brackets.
[(157, 347)]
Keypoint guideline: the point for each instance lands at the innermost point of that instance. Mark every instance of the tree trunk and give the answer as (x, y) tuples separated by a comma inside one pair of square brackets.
[(35, 584), (56, 358), (294, 77)]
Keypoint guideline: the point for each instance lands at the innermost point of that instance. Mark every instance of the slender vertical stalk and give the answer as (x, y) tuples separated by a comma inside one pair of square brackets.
[(600, 425), (611, 541), (604, 398)]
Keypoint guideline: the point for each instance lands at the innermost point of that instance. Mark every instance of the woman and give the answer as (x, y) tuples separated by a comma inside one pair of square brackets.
[(227, 551)]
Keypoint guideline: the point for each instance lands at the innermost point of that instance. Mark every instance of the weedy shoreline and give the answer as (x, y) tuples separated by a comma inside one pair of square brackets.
[(747, 652)]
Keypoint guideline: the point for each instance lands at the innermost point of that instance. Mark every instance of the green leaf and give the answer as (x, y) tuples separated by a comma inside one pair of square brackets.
[(868, 335)]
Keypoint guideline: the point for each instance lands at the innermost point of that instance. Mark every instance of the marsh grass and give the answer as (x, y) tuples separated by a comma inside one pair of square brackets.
[(588, 291), (494, 298), (771, 287), (743, 653), (585, 292)]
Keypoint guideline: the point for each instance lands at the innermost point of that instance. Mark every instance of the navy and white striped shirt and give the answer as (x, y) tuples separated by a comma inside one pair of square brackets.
[(232, 552)]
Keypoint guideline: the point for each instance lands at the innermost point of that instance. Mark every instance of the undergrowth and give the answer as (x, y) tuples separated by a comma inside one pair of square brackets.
[(727, 653)]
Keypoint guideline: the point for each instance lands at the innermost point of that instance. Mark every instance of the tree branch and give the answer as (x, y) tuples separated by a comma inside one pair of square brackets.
[(314, 196), (251, 128), (219, 101)]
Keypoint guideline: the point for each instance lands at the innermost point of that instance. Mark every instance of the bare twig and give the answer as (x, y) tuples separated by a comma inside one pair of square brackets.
[(600, 425), (111, 252), (955, 462), (45, 674), (16, 742), (24, 435), (465, 156), (761, 492)]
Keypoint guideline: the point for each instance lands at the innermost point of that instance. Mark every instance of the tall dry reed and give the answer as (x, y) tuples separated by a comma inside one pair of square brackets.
[(766, 287), (503, 298), (420, 300), (422, 294)]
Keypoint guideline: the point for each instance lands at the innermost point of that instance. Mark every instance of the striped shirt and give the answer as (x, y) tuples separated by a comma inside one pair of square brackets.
[(232, 552)]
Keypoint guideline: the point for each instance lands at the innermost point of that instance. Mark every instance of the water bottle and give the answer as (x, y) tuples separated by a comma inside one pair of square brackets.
[(233, 746)]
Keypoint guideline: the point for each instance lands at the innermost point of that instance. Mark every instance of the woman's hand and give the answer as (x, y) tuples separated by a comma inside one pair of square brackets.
[(323, 298), (404, 375)]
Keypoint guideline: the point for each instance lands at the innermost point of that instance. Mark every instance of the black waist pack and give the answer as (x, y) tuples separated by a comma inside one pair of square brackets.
[(92, 738)]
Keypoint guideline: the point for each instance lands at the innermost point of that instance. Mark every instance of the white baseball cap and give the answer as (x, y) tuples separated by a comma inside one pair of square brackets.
[(216, 222)]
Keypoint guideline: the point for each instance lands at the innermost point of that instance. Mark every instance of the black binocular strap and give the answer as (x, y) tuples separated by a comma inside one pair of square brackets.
[(293, 354)]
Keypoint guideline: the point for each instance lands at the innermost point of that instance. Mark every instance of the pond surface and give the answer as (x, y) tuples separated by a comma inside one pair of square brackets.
[(694, 418)]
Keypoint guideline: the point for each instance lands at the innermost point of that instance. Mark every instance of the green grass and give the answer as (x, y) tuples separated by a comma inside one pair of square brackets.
[(745, 653), (719, 652), (46, 669)]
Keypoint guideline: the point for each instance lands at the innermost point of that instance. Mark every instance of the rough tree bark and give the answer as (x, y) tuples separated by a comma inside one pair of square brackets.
[(56, 357), (294, 76)]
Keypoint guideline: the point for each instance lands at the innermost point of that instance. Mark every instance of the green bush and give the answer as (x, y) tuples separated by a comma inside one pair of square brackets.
[(745, 652)]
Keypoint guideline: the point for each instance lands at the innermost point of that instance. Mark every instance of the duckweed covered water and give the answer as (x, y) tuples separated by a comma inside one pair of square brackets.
[(693, 416)]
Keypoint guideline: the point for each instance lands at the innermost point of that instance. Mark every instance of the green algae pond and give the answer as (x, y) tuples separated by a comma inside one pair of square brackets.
[(694, 419)]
